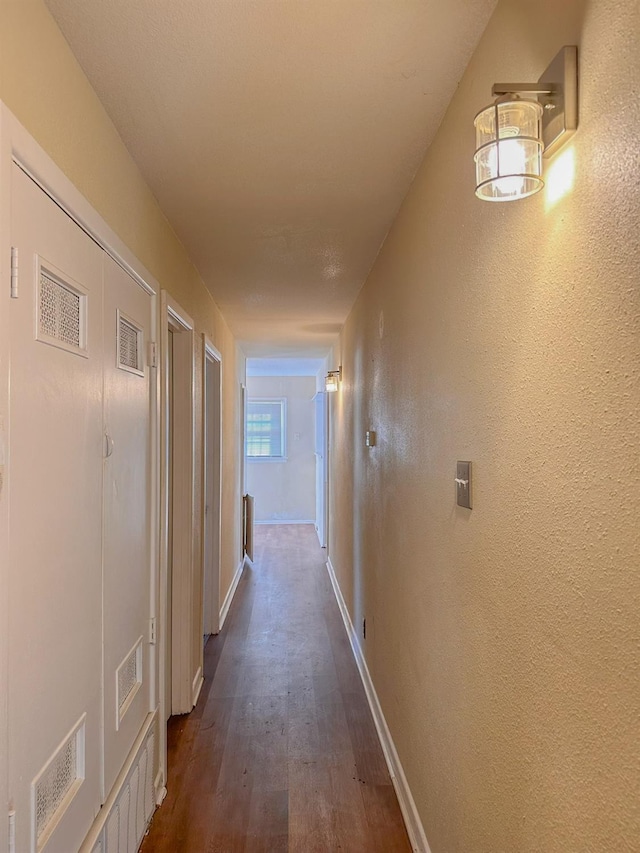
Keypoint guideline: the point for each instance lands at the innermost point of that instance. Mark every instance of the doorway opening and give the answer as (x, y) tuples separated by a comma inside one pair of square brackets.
[(212, 479), (285, 441), (181, 669)]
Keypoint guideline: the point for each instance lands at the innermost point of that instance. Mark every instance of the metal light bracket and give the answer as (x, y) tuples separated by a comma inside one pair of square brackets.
[(557, 91)]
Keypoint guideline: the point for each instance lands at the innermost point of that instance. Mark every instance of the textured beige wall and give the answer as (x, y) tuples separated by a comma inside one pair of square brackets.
[(43, 85), (503, 642)]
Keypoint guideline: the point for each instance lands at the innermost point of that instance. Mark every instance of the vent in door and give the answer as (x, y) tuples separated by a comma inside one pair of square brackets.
[(130, 346), (128, 681), (61, 311), (56, 785)]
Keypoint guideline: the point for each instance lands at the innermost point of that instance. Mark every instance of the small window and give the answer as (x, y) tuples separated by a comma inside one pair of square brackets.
[(265, 429)]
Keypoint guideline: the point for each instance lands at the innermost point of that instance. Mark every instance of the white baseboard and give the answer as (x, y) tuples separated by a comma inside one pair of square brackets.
[(224, 610), (287, 521), (196, 686), (159, 788), (410, 814)]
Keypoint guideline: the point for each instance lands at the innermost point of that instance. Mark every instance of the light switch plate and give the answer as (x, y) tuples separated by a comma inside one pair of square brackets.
[(463, 484), (370, 438)]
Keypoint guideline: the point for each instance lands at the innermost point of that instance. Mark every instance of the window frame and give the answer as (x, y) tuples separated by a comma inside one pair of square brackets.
[(282, 401)]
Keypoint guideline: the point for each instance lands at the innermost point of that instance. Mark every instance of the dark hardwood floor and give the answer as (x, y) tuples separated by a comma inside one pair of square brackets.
[(281, 753)]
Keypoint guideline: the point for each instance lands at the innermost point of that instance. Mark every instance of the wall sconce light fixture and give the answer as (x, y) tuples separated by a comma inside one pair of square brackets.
[(514, 132), (333, 377)]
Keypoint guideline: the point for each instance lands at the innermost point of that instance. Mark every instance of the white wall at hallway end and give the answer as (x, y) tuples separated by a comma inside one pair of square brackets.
[(285, 491), (288, 521)]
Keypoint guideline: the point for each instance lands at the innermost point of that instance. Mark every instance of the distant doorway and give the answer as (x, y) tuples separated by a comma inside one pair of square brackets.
[(180, 671), (212, 489), (284, 453)]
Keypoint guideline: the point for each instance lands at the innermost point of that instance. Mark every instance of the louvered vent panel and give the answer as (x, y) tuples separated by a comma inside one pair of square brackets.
[(129, 345), (56, 784), (60, 312), (134, 785), (123, 828), (140, 821), (136, 803), (112, 835), (149, 788)]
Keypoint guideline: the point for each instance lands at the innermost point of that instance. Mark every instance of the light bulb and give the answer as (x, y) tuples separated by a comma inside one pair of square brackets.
[(508, 150)]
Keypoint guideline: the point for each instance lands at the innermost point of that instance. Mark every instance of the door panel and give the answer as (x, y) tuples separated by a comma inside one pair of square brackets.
[(55, 499), (126, 582), (168, 616), (212, 462)]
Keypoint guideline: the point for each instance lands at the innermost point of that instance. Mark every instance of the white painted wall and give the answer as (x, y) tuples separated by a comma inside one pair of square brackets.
[(286, 491)]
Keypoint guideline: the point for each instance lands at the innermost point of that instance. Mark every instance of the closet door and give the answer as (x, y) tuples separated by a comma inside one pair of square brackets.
[(126, 590), (55, 502)]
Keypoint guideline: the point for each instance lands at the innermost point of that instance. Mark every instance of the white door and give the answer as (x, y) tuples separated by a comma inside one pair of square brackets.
[(126, 581), (212, 461), (55, 496), (168, 616), (321, 464)]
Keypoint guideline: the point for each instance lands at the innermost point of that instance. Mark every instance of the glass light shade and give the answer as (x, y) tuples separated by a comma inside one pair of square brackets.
[(331, 382), (509, 150)]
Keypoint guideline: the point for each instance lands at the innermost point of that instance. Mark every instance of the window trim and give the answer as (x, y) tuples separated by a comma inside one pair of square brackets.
[(283, 430)]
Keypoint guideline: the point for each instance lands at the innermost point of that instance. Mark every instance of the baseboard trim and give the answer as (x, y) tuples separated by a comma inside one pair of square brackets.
[(224, 610), (410, 814), (287, 521), (159, 788), (196, 686)]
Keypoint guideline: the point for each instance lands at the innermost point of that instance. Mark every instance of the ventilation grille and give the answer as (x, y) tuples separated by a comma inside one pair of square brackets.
[(61, 312), (128, 680), (57, 783), (134, 807), (129, 346)]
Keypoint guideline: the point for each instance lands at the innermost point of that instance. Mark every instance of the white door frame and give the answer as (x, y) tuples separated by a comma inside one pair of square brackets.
[(243, 460), (17, 145), (5, 277), (182, 589), (212, 515)]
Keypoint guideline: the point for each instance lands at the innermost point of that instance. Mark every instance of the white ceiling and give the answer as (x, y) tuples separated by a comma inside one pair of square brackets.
[(279, 136)]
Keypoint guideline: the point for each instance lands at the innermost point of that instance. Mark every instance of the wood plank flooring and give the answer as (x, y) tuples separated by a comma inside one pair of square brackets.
[(281, 753)]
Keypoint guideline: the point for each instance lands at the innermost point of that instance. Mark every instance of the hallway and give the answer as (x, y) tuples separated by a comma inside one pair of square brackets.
[(281, 753)]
